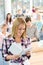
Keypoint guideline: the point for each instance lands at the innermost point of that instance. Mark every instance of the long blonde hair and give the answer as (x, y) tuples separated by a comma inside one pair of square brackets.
[(15, 26)]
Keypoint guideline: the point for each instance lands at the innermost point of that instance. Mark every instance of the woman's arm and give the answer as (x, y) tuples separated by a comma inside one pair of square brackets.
[(5, 52), (28, 53), (12, 57)]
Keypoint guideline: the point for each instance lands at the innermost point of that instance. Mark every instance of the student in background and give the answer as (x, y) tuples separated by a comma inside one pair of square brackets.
[(31, 30), (9, 22), (20, 38), (41, 33), (3, 34)]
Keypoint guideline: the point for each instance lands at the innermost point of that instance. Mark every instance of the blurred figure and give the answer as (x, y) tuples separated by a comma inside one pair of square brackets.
[(39, 24), (31, 31), (37, 21), (33, 9), (41, 33), (9, 22), (19, 13), (3, 34), (35, 14)]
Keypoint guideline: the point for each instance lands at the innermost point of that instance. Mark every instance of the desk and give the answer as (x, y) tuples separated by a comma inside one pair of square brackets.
[(36, 54)]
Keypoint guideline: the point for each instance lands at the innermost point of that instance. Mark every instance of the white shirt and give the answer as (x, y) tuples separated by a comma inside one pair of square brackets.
[(2, 36)]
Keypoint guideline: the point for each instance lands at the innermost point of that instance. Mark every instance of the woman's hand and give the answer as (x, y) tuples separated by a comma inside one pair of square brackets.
[(12, 57), (16, 57), (28, 53)]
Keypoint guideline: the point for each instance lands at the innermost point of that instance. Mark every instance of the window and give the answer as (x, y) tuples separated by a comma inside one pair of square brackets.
[(1, 11), (20, 4)]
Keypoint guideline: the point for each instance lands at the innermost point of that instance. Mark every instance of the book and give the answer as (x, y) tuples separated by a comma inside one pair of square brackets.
[(18, 49), (15, 49)]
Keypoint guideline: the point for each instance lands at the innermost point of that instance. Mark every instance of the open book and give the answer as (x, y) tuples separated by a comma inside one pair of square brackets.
[(17, 49)]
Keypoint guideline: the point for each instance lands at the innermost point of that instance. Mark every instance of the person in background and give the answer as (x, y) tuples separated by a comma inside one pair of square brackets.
[(3, 34), (33, 9), (20, 38), (31, 30), (41, 33), (35, 14), (9, 22), (19, 13)]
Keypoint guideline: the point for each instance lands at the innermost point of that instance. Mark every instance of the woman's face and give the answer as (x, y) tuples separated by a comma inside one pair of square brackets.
[(9, 16), (5, 28), (20, 30)]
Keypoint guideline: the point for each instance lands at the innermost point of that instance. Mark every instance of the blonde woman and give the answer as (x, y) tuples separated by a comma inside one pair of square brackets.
[(18, 37)]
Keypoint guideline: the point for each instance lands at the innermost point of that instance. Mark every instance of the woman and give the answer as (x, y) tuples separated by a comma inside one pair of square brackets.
[(9, 22), (3, 34), (18, 37)]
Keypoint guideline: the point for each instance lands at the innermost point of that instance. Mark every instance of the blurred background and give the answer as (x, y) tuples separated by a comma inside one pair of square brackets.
[(24, 6), (30, 8)]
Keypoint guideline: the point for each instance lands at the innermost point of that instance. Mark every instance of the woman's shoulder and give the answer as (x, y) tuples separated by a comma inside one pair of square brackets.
[(26, 38), (26, 41), (9, 38)]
